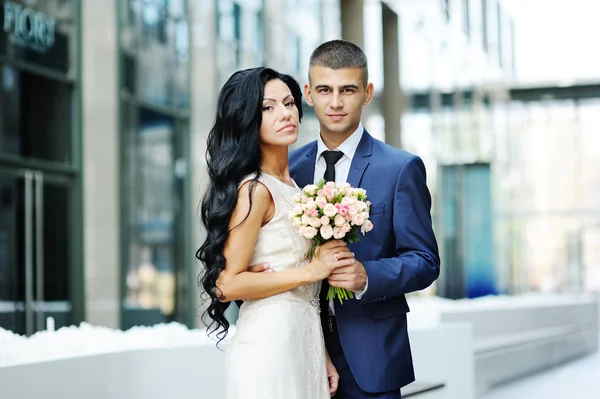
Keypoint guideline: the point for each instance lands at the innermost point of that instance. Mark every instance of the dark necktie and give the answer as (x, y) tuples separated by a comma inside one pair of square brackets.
[(331, 158)]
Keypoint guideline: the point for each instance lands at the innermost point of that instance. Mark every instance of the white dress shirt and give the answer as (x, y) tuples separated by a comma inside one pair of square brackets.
[(342, 168)]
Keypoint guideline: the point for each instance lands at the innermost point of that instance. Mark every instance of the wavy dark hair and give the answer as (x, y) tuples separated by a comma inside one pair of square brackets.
[(233, 152)]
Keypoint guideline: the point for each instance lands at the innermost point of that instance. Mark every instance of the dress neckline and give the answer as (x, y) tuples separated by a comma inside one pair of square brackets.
[(279, 181)]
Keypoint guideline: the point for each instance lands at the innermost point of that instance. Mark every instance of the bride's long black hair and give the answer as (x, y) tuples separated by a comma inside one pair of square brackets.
[(233, 152)]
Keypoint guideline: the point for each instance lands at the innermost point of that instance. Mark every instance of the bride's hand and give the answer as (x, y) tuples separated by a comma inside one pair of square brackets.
[(333, 377), (330, 256)]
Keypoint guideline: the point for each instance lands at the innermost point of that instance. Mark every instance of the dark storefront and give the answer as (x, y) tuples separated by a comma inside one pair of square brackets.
[(40, 167)]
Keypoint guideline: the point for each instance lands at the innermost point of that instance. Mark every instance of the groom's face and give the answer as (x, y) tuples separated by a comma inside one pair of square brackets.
[(337, 95)]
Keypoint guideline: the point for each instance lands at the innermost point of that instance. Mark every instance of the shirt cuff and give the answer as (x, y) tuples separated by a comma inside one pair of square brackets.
[(360, 294)]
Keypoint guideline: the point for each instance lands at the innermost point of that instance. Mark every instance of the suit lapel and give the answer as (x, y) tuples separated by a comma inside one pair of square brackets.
[(361, 160), (306, 168)]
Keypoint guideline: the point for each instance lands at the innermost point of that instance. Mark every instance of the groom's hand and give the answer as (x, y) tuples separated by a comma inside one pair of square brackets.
[(259, 268), (353, 277)]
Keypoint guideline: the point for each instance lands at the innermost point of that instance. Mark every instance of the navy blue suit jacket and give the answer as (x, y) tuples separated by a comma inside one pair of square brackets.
[(400, 256)]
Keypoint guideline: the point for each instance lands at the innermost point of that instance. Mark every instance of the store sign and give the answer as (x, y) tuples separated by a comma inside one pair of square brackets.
[(28, 28)]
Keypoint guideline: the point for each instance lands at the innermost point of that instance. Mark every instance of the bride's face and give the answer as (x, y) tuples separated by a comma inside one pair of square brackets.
[(280, 120)]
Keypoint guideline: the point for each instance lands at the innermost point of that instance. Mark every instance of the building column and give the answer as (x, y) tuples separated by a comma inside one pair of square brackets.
[(100, 136), (204, 94), (392, 104), (352, 13), (275, 42)]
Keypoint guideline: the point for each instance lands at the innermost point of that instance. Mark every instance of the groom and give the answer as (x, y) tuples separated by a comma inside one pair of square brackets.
[(367, 338)]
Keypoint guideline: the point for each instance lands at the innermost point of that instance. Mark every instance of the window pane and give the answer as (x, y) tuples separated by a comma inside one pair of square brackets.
[(155, 48), (153, 196), (35, 116)]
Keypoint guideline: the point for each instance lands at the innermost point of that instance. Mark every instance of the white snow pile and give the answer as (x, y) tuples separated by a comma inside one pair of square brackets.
[(73, 341)]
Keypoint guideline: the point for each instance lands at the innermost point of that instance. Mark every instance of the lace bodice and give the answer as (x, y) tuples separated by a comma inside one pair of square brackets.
[(279, 243), (278, 350)]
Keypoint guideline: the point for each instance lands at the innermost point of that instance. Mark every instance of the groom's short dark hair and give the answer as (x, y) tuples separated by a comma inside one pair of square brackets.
[(338, 54)]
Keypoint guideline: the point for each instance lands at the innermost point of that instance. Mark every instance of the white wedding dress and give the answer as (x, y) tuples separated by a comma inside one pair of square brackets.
[(278, 351)]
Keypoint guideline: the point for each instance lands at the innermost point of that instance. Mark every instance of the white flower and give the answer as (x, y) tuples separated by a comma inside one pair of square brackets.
[(297, 210), (347, 201), (360, 191), (321, 202), (325, 220), (338, 233), (310, 205), (360, 206), (296, 222), (297, 197), (339, 220), (315, 222), (330, 210), (358, 219), (310, 232), (305, 219), (310, 189), (346, 228), (366, 227), (326, 231)]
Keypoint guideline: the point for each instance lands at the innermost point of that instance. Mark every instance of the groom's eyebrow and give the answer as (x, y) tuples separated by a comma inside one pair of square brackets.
[(350, 86)]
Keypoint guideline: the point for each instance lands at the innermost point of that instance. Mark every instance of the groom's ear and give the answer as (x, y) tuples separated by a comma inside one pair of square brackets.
[(309, 100)]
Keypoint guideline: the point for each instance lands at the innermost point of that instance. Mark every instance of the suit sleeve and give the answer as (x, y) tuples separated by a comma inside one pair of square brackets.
[(416, 264)]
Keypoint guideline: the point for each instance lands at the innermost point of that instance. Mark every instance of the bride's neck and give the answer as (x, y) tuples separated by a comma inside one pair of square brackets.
[(275, 163)]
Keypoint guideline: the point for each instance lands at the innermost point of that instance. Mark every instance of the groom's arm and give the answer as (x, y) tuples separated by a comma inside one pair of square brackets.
[(417, 263)]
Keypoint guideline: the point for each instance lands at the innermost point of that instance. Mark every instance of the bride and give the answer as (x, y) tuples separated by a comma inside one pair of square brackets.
[(277, 350)]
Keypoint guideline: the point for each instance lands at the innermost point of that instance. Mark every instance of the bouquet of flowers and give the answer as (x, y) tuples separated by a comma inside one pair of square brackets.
[(329, 211)]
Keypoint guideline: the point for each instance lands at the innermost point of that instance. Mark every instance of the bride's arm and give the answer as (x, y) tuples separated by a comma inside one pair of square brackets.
[(332, 375), (235, 281)]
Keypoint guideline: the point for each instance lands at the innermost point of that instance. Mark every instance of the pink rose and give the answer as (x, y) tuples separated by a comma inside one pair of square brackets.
[(329, 193), (339, 220), (325, 220), (352, 210)]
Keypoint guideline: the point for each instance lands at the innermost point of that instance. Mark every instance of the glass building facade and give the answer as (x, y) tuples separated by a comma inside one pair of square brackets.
[(40, 165), (155, 96)]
